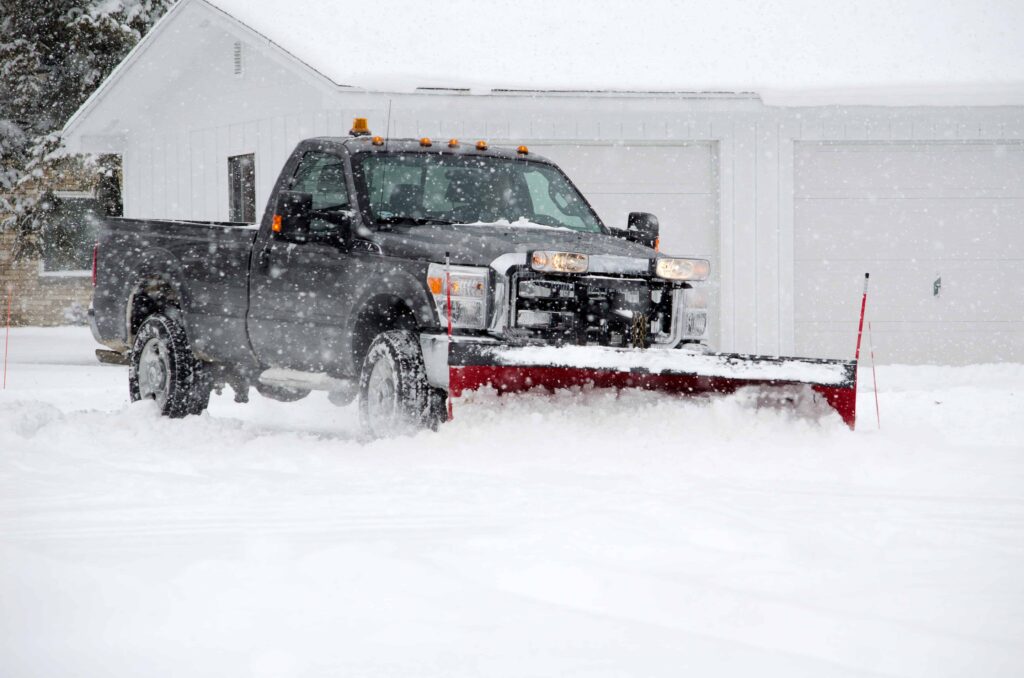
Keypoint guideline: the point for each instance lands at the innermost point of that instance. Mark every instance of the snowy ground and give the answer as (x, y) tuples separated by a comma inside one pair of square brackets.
[(567, 535)]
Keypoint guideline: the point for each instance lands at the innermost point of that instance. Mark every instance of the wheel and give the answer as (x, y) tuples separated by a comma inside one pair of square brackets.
[(163, 368), (281, 393), (394, 396)]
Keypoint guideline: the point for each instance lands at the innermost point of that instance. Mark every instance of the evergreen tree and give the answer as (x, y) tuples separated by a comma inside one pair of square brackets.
[(53, 55)]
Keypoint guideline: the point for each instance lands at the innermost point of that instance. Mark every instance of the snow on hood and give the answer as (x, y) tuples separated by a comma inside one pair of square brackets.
[(519, 223), (479, 244), (677, 361)]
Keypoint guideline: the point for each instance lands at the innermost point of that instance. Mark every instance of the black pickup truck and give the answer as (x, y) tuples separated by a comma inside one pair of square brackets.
[(372, 256)]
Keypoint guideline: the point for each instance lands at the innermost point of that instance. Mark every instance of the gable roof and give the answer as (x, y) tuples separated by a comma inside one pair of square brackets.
[(168, 24), (788, 51)]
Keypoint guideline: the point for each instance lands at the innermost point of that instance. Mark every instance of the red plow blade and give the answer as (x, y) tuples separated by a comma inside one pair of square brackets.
[(513, 369)]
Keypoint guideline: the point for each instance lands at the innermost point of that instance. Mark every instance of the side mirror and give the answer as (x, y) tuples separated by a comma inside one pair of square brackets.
[(643, 228), (292, 216)]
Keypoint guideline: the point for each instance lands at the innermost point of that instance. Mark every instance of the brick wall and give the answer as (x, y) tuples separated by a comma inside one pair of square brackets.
[(40, 300)]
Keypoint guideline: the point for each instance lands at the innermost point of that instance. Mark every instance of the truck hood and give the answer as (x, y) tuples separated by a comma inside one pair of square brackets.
[(480, 244)]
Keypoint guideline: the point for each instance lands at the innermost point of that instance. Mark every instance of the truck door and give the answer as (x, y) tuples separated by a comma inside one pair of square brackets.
[(300, 292)]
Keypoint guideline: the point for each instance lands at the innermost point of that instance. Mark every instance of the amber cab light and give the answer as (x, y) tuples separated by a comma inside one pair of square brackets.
[(481, 145), (453, 143), (425, 141), (360, 127), (378, 141), (522, 150)]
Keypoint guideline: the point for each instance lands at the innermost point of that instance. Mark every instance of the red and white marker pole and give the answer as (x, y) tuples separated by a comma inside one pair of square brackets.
[(448, 307), (863, 306), (860, 333)]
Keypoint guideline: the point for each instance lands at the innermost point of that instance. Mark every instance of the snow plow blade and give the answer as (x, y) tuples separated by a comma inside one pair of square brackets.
[(513, 369)]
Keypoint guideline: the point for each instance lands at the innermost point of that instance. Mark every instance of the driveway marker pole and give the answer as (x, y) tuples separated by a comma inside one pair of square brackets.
[(874, 376), (7, 335)]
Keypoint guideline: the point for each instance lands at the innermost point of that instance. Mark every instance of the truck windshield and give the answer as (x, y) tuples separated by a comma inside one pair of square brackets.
[(440, 188)]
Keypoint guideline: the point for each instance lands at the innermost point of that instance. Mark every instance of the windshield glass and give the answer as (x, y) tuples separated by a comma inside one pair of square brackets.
[(440, 188)]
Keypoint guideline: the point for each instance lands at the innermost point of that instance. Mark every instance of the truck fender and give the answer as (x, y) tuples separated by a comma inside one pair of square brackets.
[(395, 301), (159, 272)]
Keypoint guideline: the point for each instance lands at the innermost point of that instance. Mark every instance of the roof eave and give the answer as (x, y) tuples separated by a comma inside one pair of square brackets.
[(136, 54), (132, 57)]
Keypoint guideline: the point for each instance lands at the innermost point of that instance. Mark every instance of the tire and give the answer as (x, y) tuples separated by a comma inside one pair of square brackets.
[(395, 398), (163, 368)]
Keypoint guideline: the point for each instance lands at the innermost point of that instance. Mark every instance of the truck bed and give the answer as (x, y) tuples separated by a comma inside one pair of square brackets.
[(204, 263)]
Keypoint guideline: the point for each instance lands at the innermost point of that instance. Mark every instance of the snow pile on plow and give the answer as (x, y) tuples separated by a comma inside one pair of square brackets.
[(724, 365), (515, 369)]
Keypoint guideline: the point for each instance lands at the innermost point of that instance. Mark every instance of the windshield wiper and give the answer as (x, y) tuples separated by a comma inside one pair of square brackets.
[(415, 221)]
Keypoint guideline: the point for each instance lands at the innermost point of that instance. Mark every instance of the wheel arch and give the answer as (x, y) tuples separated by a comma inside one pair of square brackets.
[(396, 301), (153, 292), (156, 284), (378, 314)]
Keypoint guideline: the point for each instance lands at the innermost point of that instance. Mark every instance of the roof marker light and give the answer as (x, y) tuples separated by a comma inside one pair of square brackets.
[(522, 150), (481, 145), (425, 141), (378, 141), (453, 143)]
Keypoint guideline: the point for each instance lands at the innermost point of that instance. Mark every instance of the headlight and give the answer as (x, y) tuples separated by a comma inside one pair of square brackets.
[(559, 262), (683, 269), (469, 294)]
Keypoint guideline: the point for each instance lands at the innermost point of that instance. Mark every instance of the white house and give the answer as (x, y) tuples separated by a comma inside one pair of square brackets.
[(794, 158)]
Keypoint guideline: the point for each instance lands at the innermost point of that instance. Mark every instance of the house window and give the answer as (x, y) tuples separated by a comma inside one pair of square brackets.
[(69, 233), (242, 188)]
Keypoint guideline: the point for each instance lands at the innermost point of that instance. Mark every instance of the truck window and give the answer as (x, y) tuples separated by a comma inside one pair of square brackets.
[(423, 188), (323, 176), (556, 202)]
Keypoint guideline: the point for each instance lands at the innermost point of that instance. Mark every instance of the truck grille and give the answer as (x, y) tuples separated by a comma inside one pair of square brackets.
[(590, 310)]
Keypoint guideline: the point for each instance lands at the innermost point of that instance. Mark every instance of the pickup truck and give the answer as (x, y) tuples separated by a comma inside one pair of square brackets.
[(372, 254)]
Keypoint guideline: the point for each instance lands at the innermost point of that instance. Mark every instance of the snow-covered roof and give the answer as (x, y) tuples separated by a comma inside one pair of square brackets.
[(943, 52)]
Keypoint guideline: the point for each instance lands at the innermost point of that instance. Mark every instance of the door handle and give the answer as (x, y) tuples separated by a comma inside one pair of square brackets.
[(263, 259)]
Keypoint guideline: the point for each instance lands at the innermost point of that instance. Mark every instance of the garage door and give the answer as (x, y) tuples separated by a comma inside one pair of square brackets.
[(940, 227), (676, 183)]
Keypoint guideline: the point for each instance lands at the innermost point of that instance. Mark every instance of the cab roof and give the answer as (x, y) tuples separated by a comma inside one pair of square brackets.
[(356, 144)]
